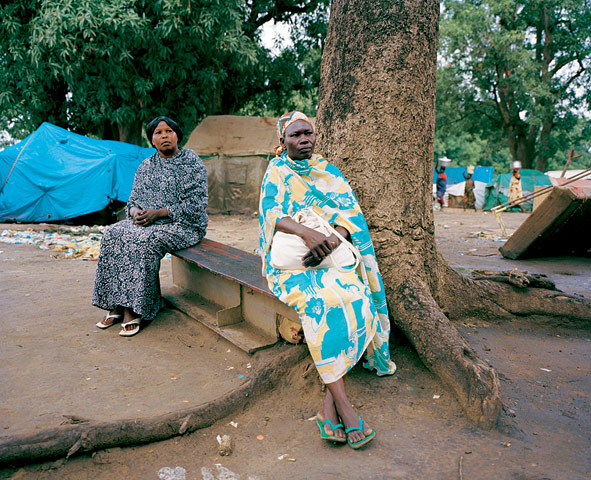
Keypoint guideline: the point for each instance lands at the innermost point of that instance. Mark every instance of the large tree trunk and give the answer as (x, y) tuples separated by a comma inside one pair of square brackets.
[(544, 148), (521, 140), (376, 122)]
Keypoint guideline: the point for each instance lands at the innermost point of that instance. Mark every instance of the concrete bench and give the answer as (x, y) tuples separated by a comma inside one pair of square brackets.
[(223, 288)]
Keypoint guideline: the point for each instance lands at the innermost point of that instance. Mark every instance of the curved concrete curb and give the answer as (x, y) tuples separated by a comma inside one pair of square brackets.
[(69, 440)]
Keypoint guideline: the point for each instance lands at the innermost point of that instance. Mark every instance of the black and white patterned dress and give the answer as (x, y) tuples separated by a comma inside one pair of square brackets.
[(129, 260)]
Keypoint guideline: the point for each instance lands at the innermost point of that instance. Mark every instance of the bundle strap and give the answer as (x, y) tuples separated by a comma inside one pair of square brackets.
[(14, 163)]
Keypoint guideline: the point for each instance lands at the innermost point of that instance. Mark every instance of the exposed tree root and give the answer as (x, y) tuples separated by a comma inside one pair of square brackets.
[(444, 351), (481, 297), (535, 301), (423, 313), (68, 440), (516, 278)]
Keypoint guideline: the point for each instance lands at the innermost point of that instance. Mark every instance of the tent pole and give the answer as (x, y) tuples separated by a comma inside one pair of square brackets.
[(13, 164)]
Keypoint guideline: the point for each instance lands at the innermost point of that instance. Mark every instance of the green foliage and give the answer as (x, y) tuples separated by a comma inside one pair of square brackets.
[(512, 77), (471, 149), (105, 67), (578, 138), (515, 75), (97, 64), (290, 80)]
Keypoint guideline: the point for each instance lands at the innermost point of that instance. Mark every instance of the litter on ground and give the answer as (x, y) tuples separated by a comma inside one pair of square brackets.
[(487, 236), (74, 242)]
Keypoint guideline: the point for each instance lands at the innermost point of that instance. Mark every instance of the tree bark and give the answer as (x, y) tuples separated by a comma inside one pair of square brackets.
[(130, 132), (376, 122)]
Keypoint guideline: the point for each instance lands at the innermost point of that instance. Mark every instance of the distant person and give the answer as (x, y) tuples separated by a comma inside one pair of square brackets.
[(515, 191), (469, 197), (441, 186), (165, 212), (341, 302)]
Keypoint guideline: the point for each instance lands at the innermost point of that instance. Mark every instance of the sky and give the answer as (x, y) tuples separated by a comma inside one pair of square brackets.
[(275, 35)]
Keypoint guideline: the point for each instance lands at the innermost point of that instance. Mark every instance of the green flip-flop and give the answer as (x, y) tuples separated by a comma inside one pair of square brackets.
[(326, 436), (363, 441)]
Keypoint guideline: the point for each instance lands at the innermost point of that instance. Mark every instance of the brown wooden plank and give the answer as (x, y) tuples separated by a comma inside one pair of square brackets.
[(228, 262), (557, 227)]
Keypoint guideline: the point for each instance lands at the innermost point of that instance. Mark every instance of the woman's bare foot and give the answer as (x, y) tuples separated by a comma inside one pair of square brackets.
[(351, 420), (346, 413), (128, 322), (329, 412)]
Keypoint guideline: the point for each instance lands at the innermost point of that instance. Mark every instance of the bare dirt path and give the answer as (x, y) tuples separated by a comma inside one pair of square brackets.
[(421, 433)]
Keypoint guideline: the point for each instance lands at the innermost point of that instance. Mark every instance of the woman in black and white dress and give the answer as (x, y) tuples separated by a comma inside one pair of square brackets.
[(166, 212)]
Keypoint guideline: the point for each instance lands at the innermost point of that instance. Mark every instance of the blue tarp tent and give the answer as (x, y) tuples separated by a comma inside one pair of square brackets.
[(455, 174), (456, 183), (54, 174)]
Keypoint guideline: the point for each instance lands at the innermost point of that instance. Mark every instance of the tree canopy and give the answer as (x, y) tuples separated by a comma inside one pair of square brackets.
[(105, 67), (513, 79), (289, 81)]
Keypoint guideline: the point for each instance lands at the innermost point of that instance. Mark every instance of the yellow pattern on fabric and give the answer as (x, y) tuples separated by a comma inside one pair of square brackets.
[(342, 316)]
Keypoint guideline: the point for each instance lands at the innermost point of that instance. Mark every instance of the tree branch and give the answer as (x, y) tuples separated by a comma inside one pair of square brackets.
[(279, 11)]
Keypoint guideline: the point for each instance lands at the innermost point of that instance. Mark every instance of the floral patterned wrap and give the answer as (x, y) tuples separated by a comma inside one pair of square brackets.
[(342, 315), (469, 196), (515, 191)]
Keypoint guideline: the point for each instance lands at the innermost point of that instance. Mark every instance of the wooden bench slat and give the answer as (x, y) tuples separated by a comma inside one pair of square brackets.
[(214, 256), (240, 307)]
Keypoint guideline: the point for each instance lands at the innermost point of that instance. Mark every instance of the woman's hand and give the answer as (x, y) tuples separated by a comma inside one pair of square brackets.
[(147, 217), (320, 247), (319, 244), (309, 260), (133, 211)]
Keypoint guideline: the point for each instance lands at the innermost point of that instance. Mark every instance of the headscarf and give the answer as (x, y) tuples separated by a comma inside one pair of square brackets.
[(287, 119), (169, 121)]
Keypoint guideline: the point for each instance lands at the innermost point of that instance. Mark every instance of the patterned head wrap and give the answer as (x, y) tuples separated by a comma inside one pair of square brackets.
[(287, 119)]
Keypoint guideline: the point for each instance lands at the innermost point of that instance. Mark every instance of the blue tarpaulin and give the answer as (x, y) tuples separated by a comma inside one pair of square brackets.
[(455, 174), (456, 184), (54, 174)]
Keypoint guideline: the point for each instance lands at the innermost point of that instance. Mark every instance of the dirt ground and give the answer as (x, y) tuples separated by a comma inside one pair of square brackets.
[(56, 364)]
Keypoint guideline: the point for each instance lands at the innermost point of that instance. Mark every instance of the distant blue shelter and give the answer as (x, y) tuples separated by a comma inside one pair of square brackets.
[(455, 174), (456, 184)]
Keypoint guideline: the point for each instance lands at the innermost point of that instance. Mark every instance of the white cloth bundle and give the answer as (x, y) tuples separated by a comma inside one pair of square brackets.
[(287, 250)]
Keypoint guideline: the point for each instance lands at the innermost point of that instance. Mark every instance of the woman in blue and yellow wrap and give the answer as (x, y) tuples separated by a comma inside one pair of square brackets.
[(343, 311)]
